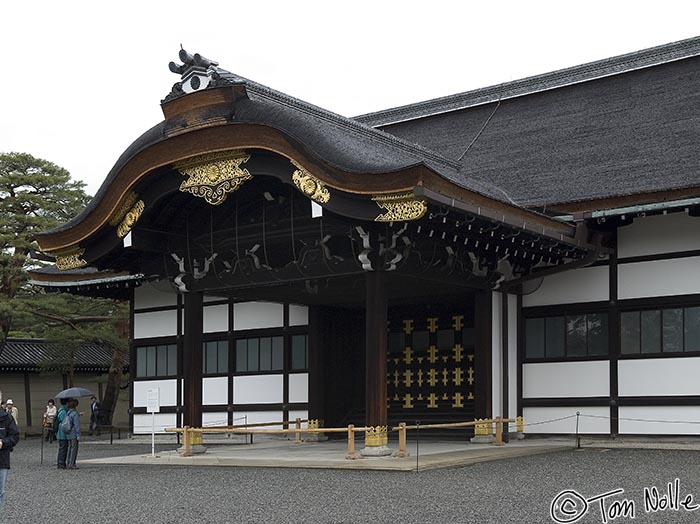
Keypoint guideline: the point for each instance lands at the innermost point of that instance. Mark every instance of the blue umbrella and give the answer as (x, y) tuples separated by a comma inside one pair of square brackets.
[(74, 393)]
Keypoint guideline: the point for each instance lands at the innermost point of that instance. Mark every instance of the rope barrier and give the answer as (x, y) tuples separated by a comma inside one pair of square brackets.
[(548, 421), (643, 419)]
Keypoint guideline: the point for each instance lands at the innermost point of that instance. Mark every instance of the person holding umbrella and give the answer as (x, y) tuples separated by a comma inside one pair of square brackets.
[(68, 434), (71, 428)]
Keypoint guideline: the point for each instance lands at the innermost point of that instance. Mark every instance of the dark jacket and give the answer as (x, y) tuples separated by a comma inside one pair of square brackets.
[(9, 434)]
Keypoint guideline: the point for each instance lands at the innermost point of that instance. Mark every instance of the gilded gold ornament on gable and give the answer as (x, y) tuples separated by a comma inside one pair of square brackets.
[(214, 175)]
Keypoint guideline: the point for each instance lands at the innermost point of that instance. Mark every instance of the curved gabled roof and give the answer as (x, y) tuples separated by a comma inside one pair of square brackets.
[(236, 113)]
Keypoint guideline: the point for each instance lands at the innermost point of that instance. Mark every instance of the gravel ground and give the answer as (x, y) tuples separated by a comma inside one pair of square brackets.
[(515, 490)]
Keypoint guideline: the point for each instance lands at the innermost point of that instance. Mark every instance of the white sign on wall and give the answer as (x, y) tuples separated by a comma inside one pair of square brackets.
[(153, 400)]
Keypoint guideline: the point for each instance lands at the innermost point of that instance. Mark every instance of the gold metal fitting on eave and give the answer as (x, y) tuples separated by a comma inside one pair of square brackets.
[(130, 219), (376, 436), (123, 208), (311, 186), (214, 175), (70, 259), (400, 207)]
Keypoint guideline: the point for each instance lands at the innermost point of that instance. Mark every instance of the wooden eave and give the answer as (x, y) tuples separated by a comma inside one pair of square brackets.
[(201, 123), (588, 206)]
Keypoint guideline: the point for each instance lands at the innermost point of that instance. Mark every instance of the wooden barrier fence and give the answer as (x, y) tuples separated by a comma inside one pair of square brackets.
[(402, 429)]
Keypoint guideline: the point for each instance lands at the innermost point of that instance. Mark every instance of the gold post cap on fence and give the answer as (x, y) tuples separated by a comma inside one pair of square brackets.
[(376, 436)]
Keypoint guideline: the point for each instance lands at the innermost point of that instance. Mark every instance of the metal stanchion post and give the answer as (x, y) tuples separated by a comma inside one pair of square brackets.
[(578, 439)]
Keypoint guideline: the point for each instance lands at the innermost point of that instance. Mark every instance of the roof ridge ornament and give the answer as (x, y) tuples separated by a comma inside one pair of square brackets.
[(196, 74)]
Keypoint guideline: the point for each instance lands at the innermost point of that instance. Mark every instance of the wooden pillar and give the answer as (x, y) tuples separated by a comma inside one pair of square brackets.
[(316, 365), (614, 342), (192, 359), (375, 353), (483, 323)]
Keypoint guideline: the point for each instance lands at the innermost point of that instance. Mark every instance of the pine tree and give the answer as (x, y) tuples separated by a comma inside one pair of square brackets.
[(37, 195)]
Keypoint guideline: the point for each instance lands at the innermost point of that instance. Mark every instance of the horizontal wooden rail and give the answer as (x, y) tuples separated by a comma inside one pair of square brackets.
[(227, 429), (298, 430), (264, 431)]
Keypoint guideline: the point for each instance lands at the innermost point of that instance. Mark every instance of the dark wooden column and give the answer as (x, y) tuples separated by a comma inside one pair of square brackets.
[(483, 319), (375, 349), (317, 395), (614, 343), (192, 359)]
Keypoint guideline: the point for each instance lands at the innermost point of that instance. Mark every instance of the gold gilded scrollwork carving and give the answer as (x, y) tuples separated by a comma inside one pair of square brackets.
[(311, 186), (130, 219), (123, 208), (376, 436), (214, 175), (70, 259), (400, 207)]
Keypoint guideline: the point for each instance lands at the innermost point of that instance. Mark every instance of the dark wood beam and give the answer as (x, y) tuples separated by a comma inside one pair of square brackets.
[(376, 315), (483, 321), (192, 359)]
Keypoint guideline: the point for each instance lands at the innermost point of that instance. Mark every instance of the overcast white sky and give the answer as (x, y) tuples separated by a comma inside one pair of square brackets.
[(83, 79)]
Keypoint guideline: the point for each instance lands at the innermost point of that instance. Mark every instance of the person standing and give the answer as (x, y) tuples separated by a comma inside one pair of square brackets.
[(94, 414), (72, 436), (12, 410), (61, 436), (9, 436), (49, 417)]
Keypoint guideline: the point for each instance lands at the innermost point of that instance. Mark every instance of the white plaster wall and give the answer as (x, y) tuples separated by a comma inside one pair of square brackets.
[(587, 284), (568, 426), (496, 357), (168, 391), (258, 389), (650, 235), (219, 418), (259, 417), (214, 390), (144, 423), (298, 315), (216, 318), (298, 387), (257, 315), (659, 278), (680, 415), (659, 376), (496, 368), (155, 324), (148, 296), (303, 415), (566, 379)]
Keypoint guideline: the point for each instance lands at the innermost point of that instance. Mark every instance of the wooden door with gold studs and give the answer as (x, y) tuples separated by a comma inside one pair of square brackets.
[(430, 368)]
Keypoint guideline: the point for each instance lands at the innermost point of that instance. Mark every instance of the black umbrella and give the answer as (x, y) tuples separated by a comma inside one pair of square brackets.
[(74, 393)]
